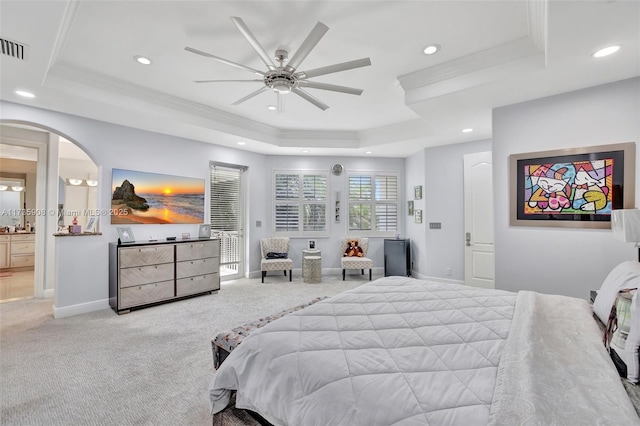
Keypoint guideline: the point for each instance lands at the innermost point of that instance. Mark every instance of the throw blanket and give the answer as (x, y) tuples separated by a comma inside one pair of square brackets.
[(555, 370)]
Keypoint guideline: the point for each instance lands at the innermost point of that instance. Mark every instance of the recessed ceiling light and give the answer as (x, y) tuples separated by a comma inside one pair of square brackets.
[(271, 107), (431, 49), (469, 130), (242, 143), (606, 51), (142, 60), (25, 94)]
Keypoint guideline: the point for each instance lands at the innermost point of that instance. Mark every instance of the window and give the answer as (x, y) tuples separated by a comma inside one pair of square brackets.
[(300, 202), (373, 203)]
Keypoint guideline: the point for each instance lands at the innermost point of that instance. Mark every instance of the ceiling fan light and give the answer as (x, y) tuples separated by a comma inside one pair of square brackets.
[(281, 87)]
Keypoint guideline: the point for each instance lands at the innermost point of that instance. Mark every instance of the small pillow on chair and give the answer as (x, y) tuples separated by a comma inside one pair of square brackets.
[(274, 255)]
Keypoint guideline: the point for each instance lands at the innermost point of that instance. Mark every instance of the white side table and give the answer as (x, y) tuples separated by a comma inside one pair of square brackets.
[(312, 266)]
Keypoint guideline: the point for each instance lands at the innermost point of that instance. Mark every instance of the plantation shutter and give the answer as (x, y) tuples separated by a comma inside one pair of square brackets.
[(386, 203), (300, 201)]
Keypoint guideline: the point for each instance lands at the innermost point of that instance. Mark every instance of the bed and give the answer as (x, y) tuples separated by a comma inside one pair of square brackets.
[(402, 351)]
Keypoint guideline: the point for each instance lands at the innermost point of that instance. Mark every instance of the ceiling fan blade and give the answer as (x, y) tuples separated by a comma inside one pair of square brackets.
[(281, 98), (251, 95), (224, 61), (310, 98), (253, 41), (307, 45), (227, 81), (332, 87), (358, 63)]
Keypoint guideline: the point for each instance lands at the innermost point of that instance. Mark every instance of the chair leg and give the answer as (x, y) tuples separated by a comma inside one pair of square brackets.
[(361, 271), (369, 274), (264, 274), (285, 272), (290, 274), (343, 275)]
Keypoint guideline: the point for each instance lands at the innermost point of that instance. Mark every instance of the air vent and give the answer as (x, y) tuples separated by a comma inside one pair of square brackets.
[(14, 49)]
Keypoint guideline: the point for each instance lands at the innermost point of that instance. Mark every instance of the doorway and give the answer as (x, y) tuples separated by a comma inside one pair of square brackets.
[(18, 176), (227, 217), (479, 261)]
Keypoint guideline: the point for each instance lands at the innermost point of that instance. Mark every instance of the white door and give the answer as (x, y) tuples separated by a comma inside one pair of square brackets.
[(478, 220)]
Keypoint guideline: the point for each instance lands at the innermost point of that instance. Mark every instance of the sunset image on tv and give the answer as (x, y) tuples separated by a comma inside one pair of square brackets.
[(141, 197)]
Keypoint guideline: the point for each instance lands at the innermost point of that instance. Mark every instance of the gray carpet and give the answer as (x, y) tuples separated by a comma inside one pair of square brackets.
[(149, 367)]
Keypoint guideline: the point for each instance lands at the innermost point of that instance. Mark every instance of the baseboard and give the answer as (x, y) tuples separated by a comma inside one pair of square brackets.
[(297, 272), (49, 293), (415, 274), (81, 308)]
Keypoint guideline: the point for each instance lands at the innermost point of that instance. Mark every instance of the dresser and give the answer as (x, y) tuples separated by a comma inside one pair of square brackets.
[(143, 274)]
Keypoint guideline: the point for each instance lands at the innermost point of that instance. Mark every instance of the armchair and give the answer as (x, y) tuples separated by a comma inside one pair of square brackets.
[(355, 262), (275, 245)]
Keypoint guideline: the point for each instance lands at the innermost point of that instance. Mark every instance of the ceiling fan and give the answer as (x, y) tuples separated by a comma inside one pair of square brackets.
[(282, 78)]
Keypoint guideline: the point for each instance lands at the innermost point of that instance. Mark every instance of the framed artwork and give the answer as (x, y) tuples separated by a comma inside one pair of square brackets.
[(312, 244), (204, 231), (410, 208), (153, 198), (575, 188), (92, 224), (417, 192), (417, 217), (125, 235)]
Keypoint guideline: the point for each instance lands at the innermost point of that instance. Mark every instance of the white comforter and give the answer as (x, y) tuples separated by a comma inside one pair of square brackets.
[(396, 351)]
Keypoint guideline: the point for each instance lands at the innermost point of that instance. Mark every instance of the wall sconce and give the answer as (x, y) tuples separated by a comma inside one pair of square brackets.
[(17, 188), (3, 187), (625, 225), (74, 182), (91, 182)]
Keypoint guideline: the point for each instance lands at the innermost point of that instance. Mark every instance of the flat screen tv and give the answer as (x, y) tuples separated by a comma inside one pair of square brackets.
[(153, 198)]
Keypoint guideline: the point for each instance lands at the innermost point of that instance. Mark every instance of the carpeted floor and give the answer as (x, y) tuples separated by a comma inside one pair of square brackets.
[(149, 367)]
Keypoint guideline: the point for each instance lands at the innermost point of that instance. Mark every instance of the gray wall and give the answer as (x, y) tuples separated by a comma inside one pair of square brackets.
[(560, 260)]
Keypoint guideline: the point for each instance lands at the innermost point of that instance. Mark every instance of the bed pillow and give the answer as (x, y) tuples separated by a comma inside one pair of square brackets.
[(625, 275)]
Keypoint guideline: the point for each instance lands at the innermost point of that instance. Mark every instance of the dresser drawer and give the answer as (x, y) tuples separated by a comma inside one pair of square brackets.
[(23, 237), (198, 250), (198, 284), (140, 256), (5, 238), (19, 260), (21, 247), (190, 268), (145, 274), (143, 294)]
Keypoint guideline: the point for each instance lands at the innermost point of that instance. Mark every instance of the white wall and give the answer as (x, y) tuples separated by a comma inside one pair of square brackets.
[(111, 146), (331, 253), (443, 201), (82, 262), (560, 260)]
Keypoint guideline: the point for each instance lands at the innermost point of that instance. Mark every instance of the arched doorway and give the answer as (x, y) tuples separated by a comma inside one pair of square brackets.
[(55, 155)]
